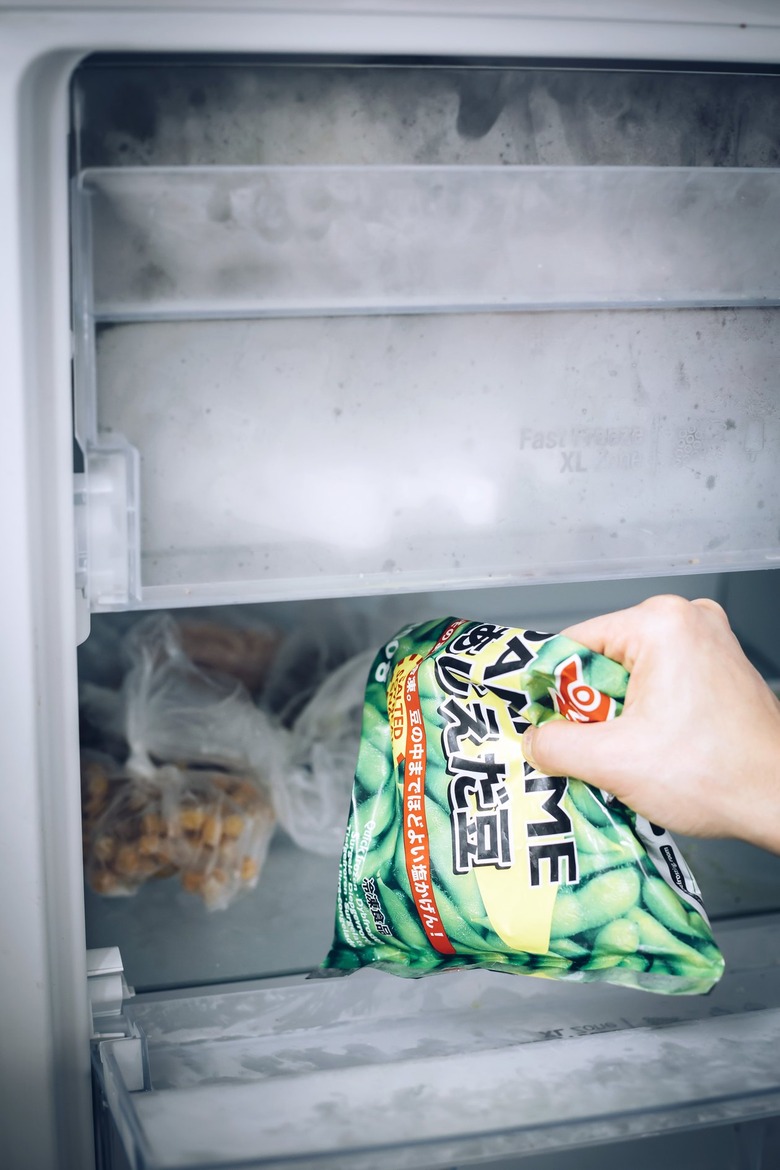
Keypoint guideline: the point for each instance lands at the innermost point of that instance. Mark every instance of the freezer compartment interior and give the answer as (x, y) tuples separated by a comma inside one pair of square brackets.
[(310, 1073), (263, 418), (284, 923), (423, 325), (252, 1063)]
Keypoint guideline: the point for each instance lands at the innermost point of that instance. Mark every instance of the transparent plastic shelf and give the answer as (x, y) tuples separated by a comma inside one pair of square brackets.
[(246, 241)]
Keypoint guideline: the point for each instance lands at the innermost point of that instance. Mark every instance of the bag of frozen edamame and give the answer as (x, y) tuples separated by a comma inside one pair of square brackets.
[(459, 854)]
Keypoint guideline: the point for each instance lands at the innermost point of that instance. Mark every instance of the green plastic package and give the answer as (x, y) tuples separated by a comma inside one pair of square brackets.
[(459, 854)]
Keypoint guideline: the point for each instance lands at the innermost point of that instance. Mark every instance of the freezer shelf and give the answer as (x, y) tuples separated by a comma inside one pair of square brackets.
[(244, 241), (371, 454), (168, 939), (375, 1071)]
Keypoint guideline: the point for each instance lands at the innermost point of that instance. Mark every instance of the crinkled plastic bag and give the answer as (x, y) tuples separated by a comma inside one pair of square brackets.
[(193, 798), (210, 829), (177, 712), (458, 853), (313, 790)]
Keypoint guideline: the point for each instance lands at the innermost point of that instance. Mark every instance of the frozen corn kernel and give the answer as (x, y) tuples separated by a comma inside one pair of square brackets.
[(192, 881), (192, 819), (215, 887), (212, 831), (103, 881), (149, 845), (127, 860), (232, 826), (95, 779)]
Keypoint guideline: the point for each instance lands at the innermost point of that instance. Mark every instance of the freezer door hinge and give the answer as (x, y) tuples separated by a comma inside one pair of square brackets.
[(108, 993)]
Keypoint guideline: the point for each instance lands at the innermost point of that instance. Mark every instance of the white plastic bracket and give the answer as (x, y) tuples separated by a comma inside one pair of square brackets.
[(107, 529), (106, 987), (108, 992)]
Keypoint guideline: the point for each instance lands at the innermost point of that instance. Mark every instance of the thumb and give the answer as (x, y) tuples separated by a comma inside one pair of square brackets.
[(587, 751)]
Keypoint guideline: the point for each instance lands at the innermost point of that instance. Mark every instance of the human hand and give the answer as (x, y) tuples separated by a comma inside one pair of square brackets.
[(697, 747)]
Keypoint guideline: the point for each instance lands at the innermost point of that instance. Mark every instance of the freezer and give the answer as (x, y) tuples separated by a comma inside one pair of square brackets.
[(319, 323)]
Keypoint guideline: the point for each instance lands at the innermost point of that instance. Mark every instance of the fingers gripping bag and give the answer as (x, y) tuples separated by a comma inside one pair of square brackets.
[(458, 853)]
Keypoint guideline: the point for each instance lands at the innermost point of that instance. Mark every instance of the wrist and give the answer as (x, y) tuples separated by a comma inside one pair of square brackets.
[(757, 795)]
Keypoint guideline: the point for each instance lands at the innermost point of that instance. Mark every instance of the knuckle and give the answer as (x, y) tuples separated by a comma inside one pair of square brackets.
[(671, 616), (668, 608), (713, 606)]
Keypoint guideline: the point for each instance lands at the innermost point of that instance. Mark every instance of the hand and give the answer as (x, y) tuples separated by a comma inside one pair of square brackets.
[(697, 747)]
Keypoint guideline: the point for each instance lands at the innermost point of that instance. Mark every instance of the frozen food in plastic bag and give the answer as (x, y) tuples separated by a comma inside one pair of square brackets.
[(241, 651), (312, 791), (193, 797), (101, 775), (459, 853), (308, 656), (176, 712), (101, 720), (210, 829)]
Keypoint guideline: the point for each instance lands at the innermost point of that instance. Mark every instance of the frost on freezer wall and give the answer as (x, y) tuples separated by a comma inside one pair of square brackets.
[(265, 113), (307, 458)]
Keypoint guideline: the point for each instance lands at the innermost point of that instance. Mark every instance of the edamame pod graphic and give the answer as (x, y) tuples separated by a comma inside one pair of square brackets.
[(381, 852), (661, 901), (620, 937), (600, 900), (403, 919), (634, 962), (568, 948), (658, 941), (460, 933), (588, 804), (590, 838), (568, 918), (590, 864), (374, 768)]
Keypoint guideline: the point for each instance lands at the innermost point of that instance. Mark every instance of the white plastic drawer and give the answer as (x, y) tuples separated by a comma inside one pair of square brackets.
[(375, 1071)]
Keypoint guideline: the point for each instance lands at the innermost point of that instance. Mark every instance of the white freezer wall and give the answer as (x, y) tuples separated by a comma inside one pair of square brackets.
[(45, 1081)]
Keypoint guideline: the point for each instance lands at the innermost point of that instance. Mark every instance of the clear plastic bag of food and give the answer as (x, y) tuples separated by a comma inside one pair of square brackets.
[(210, 829), (193, 797), (226, 643), (101, 778), (459, 853), (312, 791), (319, 645), (178, 712)]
